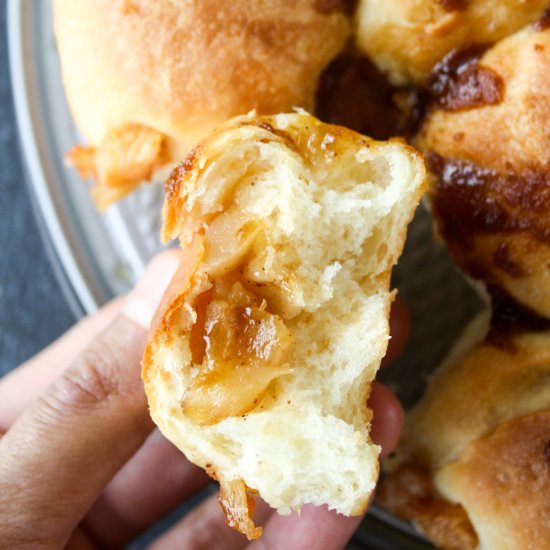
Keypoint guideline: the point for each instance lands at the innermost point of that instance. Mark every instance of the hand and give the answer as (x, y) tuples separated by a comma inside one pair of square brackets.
[(82, 466)]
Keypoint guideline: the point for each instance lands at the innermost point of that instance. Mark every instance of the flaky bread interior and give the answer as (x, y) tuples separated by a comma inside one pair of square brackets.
[(147, 80), (472, 468), (290, 228)]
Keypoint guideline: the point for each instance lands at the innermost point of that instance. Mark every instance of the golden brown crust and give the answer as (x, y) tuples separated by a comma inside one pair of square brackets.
[(484, 418), (175, 189), (473, 466), (171, 303), (471, 396), (491, 167), (503, 480), (406, 38), (514, 132), (409, 493), (181, 68)]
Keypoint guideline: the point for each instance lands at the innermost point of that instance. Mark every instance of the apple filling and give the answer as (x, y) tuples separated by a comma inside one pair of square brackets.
[(127, 156), (238, 347)]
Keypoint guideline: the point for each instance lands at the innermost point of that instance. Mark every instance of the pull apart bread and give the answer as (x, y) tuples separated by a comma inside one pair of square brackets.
[(263, 351), (146, 80), (407, 38), (490, 165), (472, 469)]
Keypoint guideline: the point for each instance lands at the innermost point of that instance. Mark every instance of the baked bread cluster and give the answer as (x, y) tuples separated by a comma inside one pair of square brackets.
[(473, 465), (407, 38), (290, 226), (491, 169), (147, 80), (263, 352)]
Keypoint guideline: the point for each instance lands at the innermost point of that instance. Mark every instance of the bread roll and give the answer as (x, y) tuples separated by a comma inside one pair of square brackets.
[(147, 80), (491, 167), (473, 467), (262, 354), (406, 38)]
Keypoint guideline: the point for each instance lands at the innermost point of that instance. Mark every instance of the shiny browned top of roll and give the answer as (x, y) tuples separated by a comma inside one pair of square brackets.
[(406, 38), (490, 163)]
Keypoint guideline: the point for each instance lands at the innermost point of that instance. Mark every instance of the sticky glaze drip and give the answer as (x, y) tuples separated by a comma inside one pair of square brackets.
[(503, 260), (453, 5), (469, 199), (508, 319), (327, 7), (352, 92), (543, 22), (459, 82), (546, 453)]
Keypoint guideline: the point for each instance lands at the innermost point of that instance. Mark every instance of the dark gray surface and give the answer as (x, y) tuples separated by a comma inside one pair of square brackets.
[(33, 310)]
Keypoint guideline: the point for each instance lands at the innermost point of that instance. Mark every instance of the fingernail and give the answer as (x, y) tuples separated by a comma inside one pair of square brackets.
[(141, 303)]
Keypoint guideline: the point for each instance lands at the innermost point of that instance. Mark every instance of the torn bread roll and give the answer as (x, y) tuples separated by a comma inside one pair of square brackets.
[(406, 38), (262, 354), (147, 80), (472, 469)]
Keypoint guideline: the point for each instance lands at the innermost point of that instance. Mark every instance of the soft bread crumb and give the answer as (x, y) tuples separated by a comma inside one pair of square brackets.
[(308, 219)]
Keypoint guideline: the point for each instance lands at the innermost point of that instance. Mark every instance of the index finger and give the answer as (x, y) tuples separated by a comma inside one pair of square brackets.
[(65, 448), (22, 386), (314, 527), (25, 384)]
